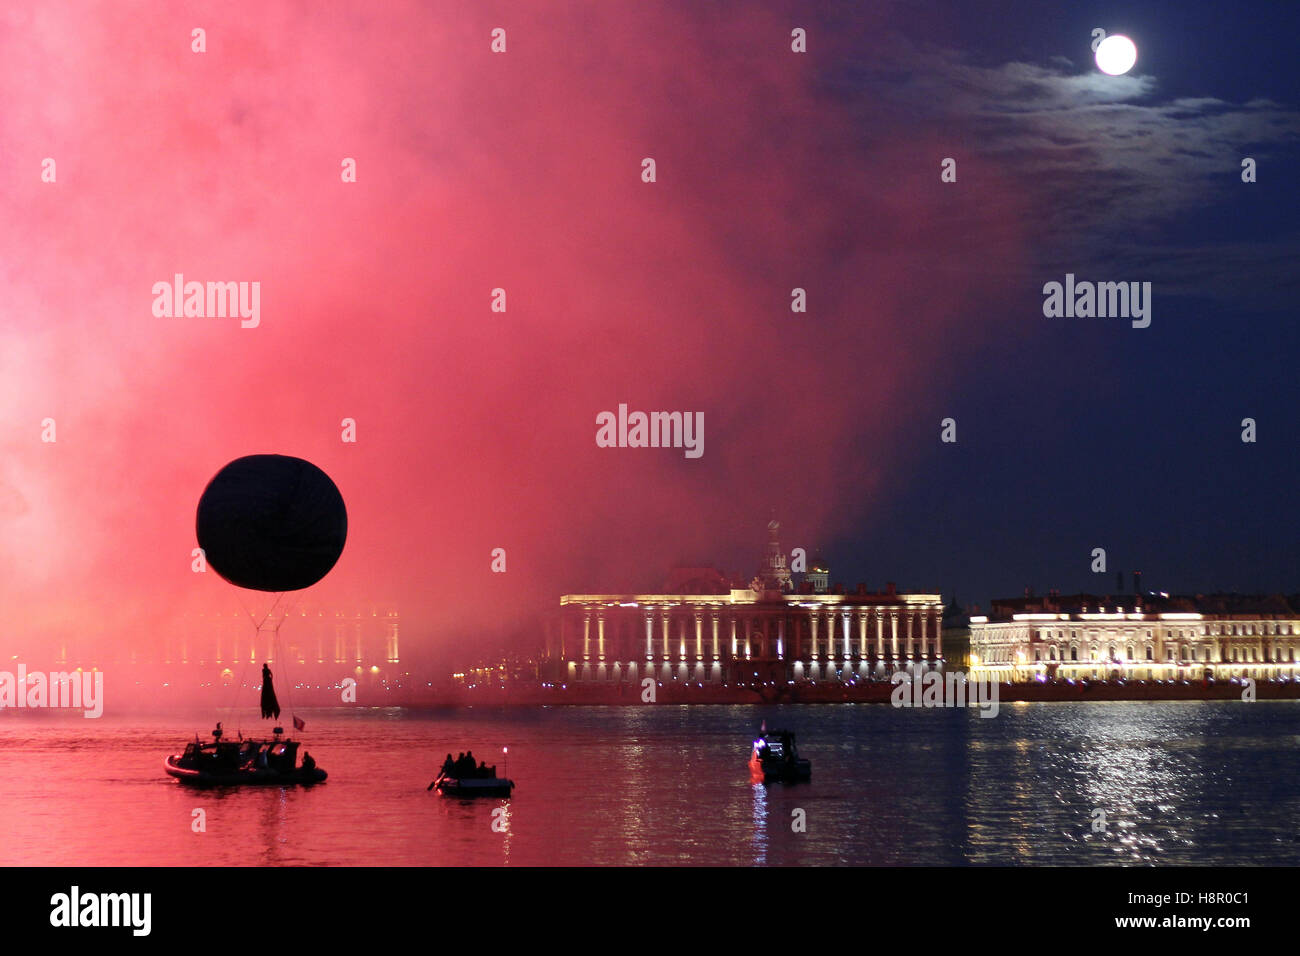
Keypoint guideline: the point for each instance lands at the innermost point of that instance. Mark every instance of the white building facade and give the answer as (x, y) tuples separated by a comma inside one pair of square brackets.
[(1137, 641)]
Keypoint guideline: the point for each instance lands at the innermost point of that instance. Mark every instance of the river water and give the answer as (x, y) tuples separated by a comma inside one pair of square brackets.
[(1058, 783)]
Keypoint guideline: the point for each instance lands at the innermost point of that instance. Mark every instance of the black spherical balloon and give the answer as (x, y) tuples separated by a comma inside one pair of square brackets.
[(271, 523)]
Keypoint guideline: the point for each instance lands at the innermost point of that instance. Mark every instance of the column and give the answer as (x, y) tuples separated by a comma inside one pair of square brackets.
[(649, 635), (862, 632), (749, 632), (665, 616), (893, 633), (601, 673), (909, 614), (586, 644), (699, 635), (714, 619), (880, 634), (848, 640), (812, 636), (734, 649)]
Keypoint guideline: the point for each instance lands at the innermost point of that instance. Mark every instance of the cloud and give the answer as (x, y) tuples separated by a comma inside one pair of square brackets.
[(1112, 171)]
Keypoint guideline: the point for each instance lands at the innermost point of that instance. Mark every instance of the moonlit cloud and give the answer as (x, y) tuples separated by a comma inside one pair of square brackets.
[(1106, 164)]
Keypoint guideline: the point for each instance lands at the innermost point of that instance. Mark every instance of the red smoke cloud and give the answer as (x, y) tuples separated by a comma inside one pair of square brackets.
[(475, 171)]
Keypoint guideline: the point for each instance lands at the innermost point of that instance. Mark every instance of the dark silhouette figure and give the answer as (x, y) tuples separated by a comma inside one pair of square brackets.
[(270, 706), (308, 762), (448, 766)]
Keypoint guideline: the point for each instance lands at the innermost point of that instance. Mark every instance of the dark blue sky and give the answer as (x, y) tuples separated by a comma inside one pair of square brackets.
[(1083, 433)]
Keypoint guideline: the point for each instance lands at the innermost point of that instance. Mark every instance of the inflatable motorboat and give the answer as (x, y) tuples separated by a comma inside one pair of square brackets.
[(238, 762), (775, 759)]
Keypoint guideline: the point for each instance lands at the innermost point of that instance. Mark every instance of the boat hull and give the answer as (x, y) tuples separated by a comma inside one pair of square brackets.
[(472, 787), (798, 772), (249, 777)]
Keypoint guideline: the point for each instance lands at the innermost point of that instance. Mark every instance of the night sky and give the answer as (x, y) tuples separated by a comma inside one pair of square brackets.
[(522, 170)]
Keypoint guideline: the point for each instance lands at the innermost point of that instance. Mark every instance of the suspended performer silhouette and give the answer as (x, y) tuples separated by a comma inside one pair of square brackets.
[(270, 706)]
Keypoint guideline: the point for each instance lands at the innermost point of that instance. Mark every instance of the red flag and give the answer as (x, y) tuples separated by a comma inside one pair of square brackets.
[(298, 723)]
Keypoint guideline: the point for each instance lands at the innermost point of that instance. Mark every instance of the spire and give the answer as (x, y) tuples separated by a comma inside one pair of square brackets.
[(773, 572)]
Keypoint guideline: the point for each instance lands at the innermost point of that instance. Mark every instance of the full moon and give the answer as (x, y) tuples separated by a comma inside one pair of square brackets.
[(1116, 55)]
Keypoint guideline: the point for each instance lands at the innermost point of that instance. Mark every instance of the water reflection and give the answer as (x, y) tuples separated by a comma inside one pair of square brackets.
[(501, 824), (1186, 783), (760, 822)]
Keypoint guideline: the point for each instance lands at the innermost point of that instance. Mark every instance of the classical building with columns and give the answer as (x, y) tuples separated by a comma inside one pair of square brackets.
[(1152, 636), (709, 630)]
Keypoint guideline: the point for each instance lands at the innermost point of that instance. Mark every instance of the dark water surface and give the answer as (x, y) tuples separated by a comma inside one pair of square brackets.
[(1178, 782)]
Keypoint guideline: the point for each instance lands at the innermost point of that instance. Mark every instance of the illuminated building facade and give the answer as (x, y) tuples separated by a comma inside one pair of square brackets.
[(710, 630), (307, 636), (1141, 637)]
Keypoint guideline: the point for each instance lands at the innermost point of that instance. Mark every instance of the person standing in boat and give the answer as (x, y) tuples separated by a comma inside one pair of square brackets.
[(270, 706)]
